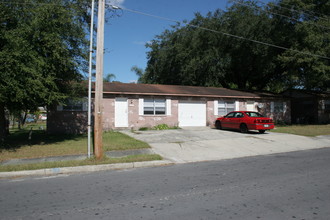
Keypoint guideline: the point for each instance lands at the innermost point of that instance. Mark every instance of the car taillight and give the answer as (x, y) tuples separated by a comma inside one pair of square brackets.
[(263, 121)]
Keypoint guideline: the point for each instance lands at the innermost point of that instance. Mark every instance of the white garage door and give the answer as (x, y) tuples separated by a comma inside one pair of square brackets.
[(192, 114)]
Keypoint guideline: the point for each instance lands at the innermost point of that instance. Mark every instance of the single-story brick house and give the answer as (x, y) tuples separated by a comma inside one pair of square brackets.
[(134, 106), (309, 107)]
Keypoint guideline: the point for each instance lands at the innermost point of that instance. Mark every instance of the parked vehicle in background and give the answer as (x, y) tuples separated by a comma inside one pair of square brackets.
[(244, 121), (29, 120), (43, 117)]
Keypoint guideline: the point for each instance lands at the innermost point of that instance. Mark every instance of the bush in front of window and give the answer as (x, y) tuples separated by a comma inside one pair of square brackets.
[(162, 127), (158, 127)]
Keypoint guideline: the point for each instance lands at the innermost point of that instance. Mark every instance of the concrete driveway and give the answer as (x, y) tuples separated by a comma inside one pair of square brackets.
[(204, 143)]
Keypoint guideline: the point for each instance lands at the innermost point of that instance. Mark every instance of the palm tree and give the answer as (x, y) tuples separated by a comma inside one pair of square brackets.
[(109, 77), (139, 72)]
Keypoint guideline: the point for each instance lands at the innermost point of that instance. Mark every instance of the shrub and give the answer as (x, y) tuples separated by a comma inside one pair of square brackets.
[(143, 129), (162, 127), (280, 123)]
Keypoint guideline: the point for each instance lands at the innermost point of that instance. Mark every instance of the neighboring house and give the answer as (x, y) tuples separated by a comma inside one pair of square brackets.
[(70, 118), (309, 107), (146, 105)]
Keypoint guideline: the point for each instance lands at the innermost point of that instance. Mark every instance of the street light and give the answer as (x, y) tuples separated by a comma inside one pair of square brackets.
[(114, 7), (90, 81)]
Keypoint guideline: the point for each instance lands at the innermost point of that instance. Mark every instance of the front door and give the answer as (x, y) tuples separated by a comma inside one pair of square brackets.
[(121, 112)]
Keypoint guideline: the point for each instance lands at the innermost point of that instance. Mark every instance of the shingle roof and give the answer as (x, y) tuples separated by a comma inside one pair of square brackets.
[(320, 94), (178, 90)]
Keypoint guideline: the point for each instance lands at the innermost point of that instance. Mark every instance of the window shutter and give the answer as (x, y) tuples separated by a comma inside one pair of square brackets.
[(236, 105), (272, 107), (168, 107), (85, 106), (215, 108), (140, 106)]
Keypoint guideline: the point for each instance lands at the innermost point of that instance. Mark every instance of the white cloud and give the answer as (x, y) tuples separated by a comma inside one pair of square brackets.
[(118, 3)]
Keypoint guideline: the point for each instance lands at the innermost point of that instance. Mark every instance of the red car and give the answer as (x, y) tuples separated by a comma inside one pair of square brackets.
[(245, 121)]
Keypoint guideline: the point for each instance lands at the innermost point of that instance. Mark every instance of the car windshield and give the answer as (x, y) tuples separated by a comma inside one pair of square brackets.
[(254, 114)]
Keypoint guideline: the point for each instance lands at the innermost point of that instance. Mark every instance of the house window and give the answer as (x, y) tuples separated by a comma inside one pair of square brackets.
[(250, 106), (278, 107), (154, 107), (327, 105), (224, 107)]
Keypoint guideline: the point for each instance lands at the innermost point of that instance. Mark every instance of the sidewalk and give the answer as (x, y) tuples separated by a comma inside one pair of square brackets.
[(81, 169), (114, 154), (84, 169), (189, 145)]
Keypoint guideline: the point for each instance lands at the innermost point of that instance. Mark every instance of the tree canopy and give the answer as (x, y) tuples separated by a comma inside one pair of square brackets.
[(249, 46), (43, 50)]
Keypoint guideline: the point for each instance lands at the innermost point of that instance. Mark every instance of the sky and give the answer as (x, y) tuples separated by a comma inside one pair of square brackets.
[(126, 32)]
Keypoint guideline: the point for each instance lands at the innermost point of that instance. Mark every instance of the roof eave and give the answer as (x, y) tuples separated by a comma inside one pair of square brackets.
[(182, 95)]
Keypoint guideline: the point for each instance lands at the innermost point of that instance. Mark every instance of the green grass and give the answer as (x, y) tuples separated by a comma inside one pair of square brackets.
[(305, 130), (19, 146), (119, 141), (92, 161), (159, 127)]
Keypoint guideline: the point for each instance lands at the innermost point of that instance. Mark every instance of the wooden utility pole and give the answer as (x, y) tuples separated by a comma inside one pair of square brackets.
[(98, 122)]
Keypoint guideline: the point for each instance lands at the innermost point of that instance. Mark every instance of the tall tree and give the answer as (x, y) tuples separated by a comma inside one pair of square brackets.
[(191, 55), (233, 48), (43, 50), (306, 25)]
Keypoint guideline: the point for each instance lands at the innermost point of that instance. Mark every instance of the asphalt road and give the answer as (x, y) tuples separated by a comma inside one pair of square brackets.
[(293, 185)]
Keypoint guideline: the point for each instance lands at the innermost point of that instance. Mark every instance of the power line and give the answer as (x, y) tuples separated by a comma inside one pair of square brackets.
[(285, 16), (202, 28), (150, 15), (31, 3), (304, 11), (223, 33)]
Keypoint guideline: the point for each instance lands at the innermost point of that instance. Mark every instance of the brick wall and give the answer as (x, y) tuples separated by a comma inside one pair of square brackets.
[(76, 122), (67, 122)]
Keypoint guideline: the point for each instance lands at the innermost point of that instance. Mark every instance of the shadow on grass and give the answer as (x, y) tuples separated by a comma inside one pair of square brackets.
[(23, 137)]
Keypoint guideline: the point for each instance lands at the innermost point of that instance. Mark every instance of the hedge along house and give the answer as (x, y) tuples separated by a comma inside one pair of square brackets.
[(132, 106), (309, 107)]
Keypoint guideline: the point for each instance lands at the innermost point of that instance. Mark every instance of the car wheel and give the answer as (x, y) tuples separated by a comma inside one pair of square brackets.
[(262, 131), (243, 128), (218, 125)]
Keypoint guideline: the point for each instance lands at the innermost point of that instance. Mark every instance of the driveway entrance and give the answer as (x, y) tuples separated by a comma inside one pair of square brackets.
[(204, 144)]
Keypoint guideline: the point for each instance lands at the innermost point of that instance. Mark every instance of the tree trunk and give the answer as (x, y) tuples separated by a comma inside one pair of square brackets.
[(24, 118), (3, 123)]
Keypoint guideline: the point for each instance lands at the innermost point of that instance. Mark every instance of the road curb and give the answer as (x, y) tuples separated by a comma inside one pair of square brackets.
[(84, 169)]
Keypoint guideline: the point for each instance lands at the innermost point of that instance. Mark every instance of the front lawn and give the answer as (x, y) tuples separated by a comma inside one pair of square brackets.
[(305, 130), (73, 163), (38, 144), (41, 144)]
